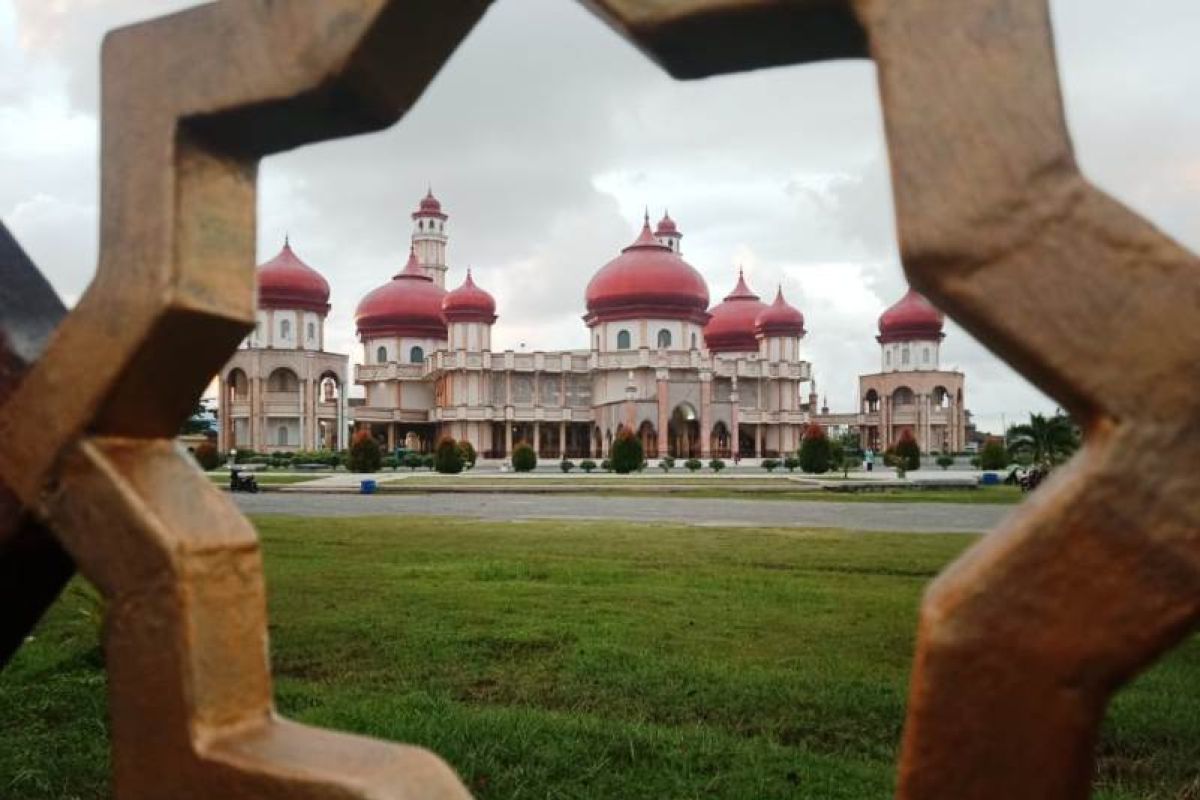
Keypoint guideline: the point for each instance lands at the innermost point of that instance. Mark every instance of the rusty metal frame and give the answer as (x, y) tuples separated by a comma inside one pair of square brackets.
[(1021, 642)]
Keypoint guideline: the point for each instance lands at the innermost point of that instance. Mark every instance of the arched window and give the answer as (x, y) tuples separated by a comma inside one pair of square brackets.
[(623, 340), (904, 355), (925, 356), (312, 331), (693, 340), (887, 357), (597, 342), (283, 437), (664, 338), (903, 396), (381, 355), (416, 355), (421, 225), (283, 380), (285, 329)]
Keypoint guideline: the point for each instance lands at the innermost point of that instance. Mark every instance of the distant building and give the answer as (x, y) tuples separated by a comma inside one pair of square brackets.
[(282, 390)]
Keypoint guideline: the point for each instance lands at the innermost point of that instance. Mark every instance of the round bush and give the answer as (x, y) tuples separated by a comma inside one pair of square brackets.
[(566, 466), (627, 455), (907, 452), (523, 458), (692, 464), (790, 463), (469, 456), (770, 464), (427, 461), (716, 465), (993, 456), (666, 463), (206, 456), (815, 452), (606, 465), (945, 461), (587, 465), (365, 455), (448, 457), (412, 460)]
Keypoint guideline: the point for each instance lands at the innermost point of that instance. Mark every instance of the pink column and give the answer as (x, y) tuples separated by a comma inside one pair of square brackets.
[(662, 418), (706, 419)]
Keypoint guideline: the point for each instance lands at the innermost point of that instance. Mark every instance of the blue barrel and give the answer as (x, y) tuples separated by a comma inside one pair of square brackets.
[(367, 487), (989, 479)]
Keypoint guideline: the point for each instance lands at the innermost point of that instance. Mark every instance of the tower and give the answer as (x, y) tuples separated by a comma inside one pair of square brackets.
[(429, 238), (469, 313), (667, 233)]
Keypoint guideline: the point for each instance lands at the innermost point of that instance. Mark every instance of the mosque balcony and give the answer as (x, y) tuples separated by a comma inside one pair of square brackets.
[(392, 371), (756, 416), (761, 368), (239, 408)]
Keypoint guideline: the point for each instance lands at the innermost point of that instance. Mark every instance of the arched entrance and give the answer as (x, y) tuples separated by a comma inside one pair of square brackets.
[(684, 432), (649, 440), (721, 444)]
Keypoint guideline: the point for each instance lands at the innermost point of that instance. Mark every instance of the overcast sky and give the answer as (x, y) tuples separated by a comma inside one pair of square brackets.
[(545, 159)]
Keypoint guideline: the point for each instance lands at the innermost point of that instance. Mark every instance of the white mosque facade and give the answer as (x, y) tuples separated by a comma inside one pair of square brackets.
[(690, 378)]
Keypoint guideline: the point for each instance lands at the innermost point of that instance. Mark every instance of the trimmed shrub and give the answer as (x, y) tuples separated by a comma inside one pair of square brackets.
[(975, 462), (790, 463), (665, 464), (945, 462), (427, 461), (390, 462), (334, 460), (716, 465), (770, 464), (206, 456), (365, 455), (815, 451), (412, 461), (523, 458), (606, 465), (907, 452), (448, 457), (566, 466), (693, 464), (627, 455), (993, 456), (587, 465), (466, 451)]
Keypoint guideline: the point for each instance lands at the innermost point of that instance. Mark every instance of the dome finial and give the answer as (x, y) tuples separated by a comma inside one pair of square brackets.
[(285, 239)]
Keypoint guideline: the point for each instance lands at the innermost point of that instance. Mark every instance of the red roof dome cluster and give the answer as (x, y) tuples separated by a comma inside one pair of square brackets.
[(779, 319), (646, 280), (666, 226), (410, 304), (287, 282), (430, 207), (731, 328), (912, 317), (469, 303)]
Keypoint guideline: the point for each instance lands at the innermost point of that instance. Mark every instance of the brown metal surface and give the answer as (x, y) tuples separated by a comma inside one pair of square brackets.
[(1021, 643)]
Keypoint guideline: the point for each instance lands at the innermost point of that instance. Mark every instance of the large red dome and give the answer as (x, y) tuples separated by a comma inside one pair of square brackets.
[(780, 319), (287, 282), (410, 304), (912, 317), (646, 280), (731, 329), (469, 303)]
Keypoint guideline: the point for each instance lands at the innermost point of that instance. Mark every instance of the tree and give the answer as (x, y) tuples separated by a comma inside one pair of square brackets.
[(447, 457), (523, 458), (716, 465), (815, 451), (692, 464), (790, 463), (587, 465), (993, 455), (627, 454), (666, 463), (365, 455), (945, 461), (202, 420), (469, 456), (770, 464), (1045, 441), (206, 456), (906, 452), (412, 460)]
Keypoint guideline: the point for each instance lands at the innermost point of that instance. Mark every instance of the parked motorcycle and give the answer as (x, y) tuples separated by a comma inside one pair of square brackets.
[(242, 482)]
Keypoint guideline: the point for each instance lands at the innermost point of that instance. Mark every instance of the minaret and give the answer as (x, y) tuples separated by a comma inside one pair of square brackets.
[(668, 233), (429, 238)]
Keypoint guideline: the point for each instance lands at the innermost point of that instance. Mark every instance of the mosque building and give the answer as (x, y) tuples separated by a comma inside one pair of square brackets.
[(689, 379)]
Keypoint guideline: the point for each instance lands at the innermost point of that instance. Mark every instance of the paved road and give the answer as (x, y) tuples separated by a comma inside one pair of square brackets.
[(901, 517)]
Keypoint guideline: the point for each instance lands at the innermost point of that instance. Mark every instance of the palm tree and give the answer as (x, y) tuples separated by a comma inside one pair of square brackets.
[(1044, 440)]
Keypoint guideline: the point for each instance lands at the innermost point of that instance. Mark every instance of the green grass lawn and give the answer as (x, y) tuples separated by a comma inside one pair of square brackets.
[(573, 660)]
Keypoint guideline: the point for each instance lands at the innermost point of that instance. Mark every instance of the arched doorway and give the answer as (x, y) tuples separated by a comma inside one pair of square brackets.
[(649, 440), (684, 432), (720, 444)]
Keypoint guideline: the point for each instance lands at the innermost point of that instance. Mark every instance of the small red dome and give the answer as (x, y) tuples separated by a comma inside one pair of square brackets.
[(913, 317), (410, 304), (666, 226), (646, 280), (287, 282), (731, 329), (779, 319), (469, 303), (430, 207)]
